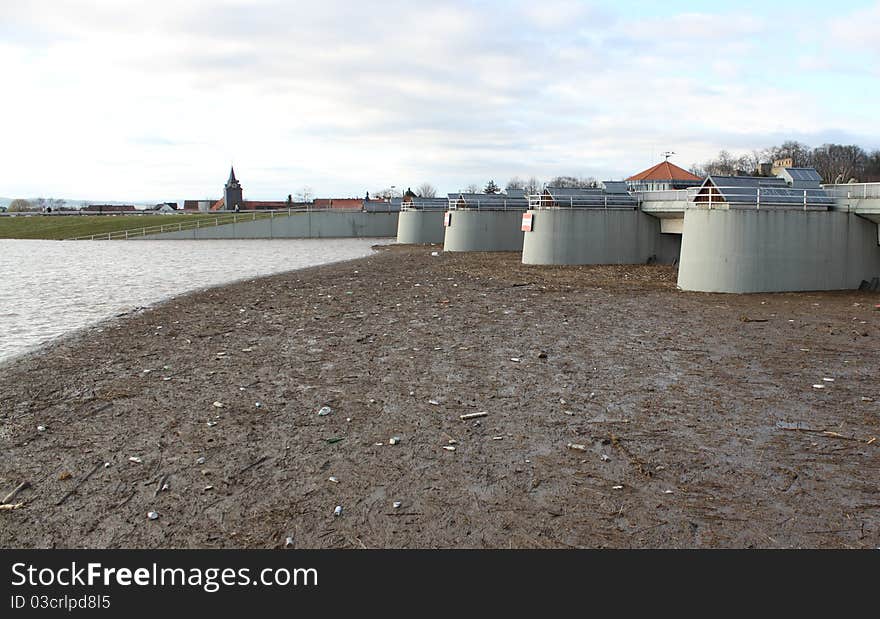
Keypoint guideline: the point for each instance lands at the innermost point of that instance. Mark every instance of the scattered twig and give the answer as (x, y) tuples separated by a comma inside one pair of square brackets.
[(10, 506), (827, 433), (747, 319), (260, 460), (126, 499), (78, 485), (22, 486)]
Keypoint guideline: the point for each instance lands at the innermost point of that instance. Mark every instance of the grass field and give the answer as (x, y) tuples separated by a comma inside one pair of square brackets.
[(66, 227)]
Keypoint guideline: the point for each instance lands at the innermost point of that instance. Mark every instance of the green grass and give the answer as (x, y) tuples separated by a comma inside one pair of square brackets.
[(70, 226)]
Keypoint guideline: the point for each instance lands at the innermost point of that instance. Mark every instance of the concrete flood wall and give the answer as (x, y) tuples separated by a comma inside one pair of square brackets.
[(484, 231), (420, 227), (776, 250), (597, 236), (310, 225)]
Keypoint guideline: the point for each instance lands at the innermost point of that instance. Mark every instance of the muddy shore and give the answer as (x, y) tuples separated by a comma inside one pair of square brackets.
[(697, 416)]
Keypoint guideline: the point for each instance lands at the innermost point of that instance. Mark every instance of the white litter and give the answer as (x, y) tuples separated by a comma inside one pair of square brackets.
[(394, 440), (333, 480), (448, 447), (218, 405), (338, 510), (324, 411), (153, 515), (135, 459), (473, 415), (397, 504)]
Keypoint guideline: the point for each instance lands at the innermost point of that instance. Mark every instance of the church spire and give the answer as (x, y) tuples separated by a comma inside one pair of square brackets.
[(232, 182)]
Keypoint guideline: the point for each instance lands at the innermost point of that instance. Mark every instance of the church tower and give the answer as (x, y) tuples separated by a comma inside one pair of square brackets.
[(232, 195)]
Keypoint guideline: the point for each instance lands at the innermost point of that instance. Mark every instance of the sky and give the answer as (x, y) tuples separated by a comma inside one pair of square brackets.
[(153, 100)]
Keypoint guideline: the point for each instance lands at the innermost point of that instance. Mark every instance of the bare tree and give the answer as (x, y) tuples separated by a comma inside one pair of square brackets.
[(533, 186), (872, 168), (515, 183), (304, 195), (472, 188), (387, 193), (572, 182), (837, 163), (20, 205), (426, 190)]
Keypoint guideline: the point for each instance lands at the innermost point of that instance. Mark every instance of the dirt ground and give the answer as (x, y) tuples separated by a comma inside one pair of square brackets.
[(697, 414)]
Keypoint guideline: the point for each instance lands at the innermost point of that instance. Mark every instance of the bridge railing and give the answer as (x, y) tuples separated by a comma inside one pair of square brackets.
[(854, 191), (759, 197), (488, 205), (587, 201), (418, 205)]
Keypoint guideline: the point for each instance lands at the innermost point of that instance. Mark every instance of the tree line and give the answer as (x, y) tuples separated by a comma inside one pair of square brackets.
[(20, 205), (531, 185), (835, 163)]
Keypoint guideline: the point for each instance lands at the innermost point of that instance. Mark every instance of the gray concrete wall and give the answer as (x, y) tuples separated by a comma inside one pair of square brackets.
[(313, 225), (484, 231), (420, 227), (776, 251), (597, 236)]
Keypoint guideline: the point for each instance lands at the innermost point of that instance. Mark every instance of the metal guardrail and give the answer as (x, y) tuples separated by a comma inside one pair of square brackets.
[(758, 197), (488, 205), (604, 200), (697, 197), (423, 206), (854, 191)]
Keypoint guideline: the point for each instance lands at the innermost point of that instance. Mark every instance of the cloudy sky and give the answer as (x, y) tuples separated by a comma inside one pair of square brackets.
[(152, 100)]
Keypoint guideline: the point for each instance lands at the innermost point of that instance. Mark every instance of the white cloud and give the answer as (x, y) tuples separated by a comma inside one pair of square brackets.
[(153, 99)]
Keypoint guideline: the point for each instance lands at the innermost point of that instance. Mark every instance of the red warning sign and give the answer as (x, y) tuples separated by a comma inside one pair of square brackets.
[(527, 222), (447, 219)]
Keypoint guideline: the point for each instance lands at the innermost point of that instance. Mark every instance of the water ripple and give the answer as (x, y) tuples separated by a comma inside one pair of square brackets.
[(50, 288)]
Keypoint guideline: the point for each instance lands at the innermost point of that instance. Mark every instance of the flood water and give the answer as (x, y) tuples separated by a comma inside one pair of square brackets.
[(50, 288)]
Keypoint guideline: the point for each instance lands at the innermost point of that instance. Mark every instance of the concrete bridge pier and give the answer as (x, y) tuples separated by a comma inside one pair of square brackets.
[(420, 226), (483, 230), (776, 250), (597, 236)]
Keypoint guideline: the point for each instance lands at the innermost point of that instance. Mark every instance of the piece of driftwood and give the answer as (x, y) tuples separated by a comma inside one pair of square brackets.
[(22, 486)]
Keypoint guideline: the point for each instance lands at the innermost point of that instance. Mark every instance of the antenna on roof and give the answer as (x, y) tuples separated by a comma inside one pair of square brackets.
[(668, 154)]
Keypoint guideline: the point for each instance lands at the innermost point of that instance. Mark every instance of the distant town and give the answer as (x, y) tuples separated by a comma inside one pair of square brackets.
[(835, 164)]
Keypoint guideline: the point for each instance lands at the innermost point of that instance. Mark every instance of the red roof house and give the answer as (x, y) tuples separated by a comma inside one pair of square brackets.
[(664, 175)]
